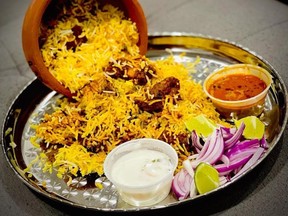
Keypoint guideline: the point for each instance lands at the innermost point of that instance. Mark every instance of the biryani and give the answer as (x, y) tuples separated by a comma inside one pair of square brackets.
[(119, 94), (79, 37)]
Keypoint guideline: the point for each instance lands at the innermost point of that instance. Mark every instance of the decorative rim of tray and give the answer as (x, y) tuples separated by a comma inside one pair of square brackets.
[(214, 53)]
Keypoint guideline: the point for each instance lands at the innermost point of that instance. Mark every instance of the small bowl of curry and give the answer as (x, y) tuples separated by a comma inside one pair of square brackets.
[(238, 90)]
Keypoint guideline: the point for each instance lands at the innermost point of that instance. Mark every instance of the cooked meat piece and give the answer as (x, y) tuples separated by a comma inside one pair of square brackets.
[(113, 71), (168, 86), (77, 30), (98, 87), (138, 76), (137, 70), (71, 45), (146, 106), (127, 73), (81, 40)]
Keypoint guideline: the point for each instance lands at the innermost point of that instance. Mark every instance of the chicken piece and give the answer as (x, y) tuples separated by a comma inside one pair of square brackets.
[(150, 107), (77, 31), (138, 70), (168, 86)]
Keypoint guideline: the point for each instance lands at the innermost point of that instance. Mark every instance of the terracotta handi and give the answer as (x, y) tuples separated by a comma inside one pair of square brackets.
[(31, 32)]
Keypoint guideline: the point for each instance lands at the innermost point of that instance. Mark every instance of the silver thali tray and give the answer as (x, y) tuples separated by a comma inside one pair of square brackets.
[(36, 99)]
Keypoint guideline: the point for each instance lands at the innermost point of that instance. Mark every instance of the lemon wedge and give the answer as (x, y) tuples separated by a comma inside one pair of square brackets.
[(254, 128), (206, 178), (201, 125)]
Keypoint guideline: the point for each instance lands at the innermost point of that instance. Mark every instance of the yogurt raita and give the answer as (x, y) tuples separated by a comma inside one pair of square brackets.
[(141, 168)]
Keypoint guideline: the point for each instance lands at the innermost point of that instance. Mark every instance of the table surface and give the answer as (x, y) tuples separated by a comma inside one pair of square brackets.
[(260, 25)]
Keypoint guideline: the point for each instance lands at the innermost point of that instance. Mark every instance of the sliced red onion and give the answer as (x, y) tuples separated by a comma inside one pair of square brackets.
[(224, 170), (236, 170), (215, 148), (206, 150), (223, 180), (242, 146), (218, 148), (188, 167), (196, 141), (193, 190), (233, 140), (205, 147), (251, 161), (263, 143), (243, 153), (211, 145), (195, 163), (228, 132), (224, 174), (224, 149), (181, 184), (225, 159)]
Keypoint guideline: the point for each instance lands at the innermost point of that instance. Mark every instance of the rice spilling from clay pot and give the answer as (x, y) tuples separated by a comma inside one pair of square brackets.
[(84, 38), (120, 95)]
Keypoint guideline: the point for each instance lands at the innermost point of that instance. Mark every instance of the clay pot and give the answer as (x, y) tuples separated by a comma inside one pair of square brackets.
[(31, 32)]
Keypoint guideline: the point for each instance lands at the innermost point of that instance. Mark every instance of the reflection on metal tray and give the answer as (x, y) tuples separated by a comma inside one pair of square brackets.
[(36, 99)]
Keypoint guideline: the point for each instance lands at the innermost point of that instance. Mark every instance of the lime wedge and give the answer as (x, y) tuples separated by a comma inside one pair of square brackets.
[(254, 128), (201, 125), (206, 178)]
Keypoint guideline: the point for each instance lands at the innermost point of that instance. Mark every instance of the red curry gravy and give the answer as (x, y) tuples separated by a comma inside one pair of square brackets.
[(237, 87)]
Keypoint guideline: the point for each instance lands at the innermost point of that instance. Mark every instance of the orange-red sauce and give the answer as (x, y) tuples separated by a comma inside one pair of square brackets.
[(237, 87)]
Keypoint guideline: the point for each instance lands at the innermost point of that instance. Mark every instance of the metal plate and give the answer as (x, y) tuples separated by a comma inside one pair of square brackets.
[(36, 99)]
